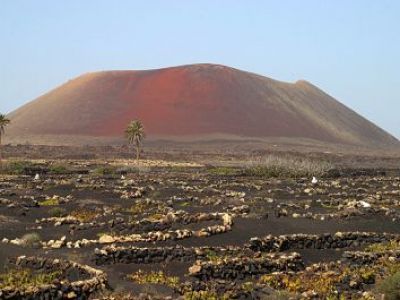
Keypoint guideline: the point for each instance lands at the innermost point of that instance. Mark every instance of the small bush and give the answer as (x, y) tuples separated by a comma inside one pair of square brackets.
[(26, 278), (16, 167), (224, 171), (287, 167), (84, 215), (50, 202), (31, 239), (105, 170), (57, 212), (154, 277), (390, 287), (380, 247), (58, 169), (126, 170)]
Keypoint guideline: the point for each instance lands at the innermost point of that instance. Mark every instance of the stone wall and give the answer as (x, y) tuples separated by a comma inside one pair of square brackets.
[(322, 241), (368, 258), (240, 267), (138, 255), (59, 289)]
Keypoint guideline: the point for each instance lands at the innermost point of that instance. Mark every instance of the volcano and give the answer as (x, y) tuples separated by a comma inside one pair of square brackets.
[(193, 101)]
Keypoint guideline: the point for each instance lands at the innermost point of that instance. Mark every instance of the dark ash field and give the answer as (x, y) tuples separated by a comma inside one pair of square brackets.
[(181, 226)]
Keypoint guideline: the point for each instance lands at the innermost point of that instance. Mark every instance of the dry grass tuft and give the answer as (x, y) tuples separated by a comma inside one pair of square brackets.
[(287, 167)]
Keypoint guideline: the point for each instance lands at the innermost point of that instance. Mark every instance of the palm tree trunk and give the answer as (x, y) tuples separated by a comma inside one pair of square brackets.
[(137, 151), (1, 154)]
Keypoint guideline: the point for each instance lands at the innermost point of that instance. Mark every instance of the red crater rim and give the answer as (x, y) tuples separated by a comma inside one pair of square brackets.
[(193, 100)]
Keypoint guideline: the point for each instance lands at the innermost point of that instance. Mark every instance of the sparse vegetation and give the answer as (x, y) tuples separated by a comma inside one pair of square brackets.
[(379, 247), (57, 212), (58, 169), (390, 287), (200, 295), (24, 278), (225, 171), (133, 214), (154, 277), (16, 167), (105, 170), (50, 202), (31, 239), (84, 215), (287, 167)]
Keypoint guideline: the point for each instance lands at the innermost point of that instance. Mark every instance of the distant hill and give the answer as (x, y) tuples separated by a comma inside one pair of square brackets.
[(193, 101)]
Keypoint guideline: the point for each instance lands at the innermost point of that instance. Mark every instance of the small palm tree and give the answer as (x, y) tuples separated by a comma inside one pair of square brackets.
[(3, 123), (135, 135)]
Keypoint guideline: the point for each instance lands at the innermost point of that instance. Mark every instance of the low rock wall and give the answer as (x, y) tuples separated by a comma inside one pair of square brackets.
[(59, 289), (241, 267), (322, 241), (368, 258), (138, 255)]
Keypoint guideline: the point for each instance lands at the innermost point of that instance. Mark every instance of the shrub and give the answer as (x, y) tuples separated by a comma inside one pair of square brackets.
[(154, 277), (380, 247), (84, 215), (105, 170), (57, 212), (288, 167), (224, 171), (24, 278), (50, 202), (132, 169), (390, 287), (16, 167), (58, 169), (31, 239)]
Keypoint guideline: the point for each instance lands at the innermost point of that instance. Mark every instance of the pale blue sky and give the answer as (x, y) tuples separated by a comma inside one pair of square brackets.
[(350, 49)]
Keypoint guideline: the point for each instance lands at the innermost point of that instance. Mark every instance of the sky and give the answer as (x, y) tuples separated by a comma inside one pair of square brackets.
[(350, 49)]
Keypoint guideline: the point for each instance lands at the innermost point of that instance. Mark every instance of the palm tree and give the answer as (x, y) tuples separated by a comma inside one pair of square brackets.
[(3, 123), (135, 135)]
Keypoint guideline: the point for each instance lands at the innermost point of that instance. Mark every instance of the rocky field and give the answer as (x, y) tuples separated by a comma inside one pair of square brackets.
[(77, 229)]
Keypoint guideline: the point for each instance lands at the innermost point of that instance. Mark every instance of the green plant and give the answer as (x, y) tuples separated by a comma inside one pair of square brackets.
[(154, 277), (211, 255), (287, 167), (84, 215), (200, 295), (30, 239), (50, 202), (155, 194), (390, 287), (225, 171), (24, 278), (57, 212), (139, 208), (379, 247), (16, 167), (105, 170), (58, 169)]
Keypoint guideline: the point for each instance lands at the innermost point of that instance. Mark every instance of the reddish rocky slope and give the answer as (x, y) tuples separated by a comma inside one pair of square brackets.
[(193, 100)]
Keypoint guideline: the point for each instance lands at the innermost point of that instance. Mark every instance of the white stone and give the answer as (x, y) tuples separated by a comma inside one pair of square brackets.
[(106, 239), (365, 204)]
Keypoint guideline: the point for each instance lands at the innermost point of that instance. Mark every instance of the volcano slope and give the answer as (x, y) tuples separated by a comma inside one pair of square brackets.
[(192, 101)]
